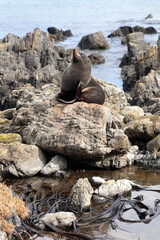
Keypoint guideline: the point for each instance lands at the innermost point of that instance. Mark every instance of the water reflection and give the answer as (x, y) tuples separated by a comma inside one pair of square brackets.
[(125, 231)]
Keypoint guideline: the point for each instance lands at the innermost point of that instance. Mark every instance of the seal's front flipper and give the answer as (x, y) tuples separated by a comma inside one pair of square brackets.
[(54, 99)]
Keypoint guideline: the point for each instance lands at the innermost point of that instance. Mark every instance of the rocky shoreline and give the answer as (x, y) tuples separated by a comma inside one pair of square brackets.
[(36, 138)]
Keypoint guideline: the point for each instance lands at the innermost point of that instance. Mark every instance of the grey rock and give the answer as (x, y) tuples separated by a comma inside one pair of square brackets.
[(56, 163), (82, 132), (93, 41), (96, 58), (31, 59), (139, 61), (81, 193), (21, 160)]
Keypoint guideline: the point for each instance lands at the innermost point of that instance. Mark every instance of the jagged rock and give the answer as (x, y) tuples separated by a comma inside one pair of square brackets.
[(55, 164), (143, 129), (81, 193), (131, 112), (10, 138), (150, 30), (138, 62), (4, 125), (82, 132), (93, 41), (31, 59), (59, 219), (96, 58), (20, 159), (146, 92)]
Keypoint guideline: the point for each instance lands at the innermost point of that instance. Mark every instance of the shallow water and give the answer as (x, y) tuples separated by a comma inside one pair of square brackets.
[(82, 17), (126, 231)]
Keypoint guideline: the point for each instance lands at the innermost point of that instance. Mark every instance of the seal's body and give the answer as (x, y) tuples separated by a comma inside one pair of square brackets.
[(77, 83)]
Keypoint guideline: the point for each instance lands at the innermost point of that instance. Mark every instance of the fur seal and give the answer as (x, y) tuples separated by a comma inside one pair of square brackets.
[(77, 83)]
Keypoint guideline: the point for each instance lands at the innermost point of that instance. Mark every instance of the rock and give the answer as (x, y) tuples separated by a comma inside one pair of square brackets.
[(81, 132), (121, 32), (10, 138), (143, 129), (154, 144), (55, 164), (114, 97), (59, 219), (124, 40), (59, 35), (96, 58), (150, 30), (4, 125), (81, 193), (112, 187), (125, 30), (146, 92), (20, 159), (31, 59), (93, 41), (97, 181), (3, 235), (7, 113), (131, 112), (140, 60), (149, 16)]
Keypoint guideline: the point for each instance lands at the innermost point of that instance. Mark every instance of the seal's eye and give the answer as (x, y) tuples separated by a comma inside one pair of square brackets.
[(75, 83)]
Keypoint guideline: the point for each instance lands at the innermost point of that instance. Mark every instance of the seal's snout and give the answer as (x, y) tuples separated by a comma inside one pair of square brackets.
[(76, 55)]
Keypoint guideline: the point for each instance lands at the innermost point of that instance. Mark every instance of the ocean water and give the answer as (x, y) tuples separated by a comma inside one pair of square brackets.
[(82, 17)]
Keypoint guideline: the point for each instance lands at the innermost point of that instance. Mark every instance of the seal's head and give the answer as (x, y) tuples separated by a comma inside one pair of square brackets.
[(78, 73)]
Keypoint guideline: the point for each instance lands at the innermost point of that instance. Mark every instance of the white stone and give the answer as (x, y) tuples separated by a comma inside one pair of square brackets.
[(112, 187), (57, 163), (59, 219)]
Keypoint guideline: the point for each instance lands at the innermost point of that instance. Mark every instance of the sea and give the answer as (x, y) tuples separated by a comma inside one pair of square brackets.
[(83, 17)]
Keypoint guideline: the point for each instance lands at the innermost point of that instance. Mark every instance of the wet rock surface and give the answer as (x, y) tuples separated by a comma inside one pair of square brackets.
[(125, 30)]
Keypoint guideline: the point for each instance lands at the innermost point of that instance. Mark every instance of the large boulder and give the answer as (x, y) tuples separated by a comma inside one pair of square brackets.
[(82, 132), (93, 41)]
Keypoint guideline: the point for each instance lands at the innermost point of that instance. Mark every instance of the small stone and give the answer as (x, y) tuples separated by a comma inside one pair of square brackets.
[(97, 181), (57, 163)]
